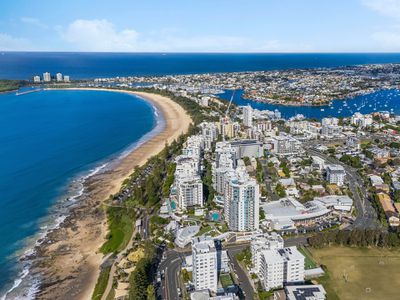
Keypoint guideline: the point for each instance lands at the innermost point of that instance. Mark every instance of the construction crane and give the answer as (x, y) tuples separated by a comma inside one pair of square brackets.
[(225, 119), (229, 105)]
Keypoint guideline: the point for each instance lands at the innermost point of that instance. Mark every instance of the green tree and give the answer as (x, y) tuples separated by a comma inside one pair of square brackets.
[(151, 294)]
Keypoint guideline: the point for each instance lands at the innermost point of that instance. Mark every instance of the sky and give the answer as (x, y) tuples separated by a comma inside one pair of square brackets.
[(200, 25)]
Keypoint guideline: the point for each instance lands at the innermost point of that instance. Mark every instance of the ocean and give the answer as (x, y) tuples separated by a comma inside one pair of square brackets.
[(49, 141), (24, 65)]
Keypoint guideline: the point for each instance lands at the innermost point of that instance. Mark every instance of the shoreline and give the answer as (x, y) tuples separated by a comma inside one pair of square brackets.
[(68, 260)]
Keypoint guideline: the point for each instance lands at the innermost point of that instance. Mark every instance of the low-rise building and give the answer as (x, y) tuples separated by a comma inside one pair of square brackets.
[(305, 292), (287, 213)]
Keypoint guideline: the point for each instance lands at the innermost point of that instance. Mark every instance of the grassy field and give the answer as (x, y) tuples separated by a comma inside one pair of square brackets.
[(308, 262), (226, 280), (101, 284), (121, 225), (358, 273)]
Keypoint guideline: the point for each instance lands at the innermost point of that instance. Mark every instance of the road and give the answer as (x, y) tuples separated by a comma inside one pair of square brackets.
[(171, 265), (242, 278), (366, 216), (168, 289)]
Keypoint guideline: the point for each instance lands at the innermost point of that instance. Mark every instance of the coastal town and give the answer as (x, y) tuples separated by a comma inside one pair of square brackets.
[(200, 150), (238, 207), (306, 87), (250, 195)]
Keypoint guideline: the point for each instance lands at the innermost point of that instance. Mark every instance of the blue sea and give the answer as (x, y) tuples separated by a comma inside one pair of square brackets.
[(24, 65), (51, 140)]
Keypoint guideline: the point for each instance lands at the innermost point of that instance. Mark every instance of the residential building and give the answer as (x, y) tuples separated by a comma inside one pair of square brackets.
[(189, 192), (242, 198), (36, 79), (247, 116), (335, 174), (281, 266), (59, 77), (46, 77), (205, 264), (261, 242), (361, 120), (66, 78), (285, 145)]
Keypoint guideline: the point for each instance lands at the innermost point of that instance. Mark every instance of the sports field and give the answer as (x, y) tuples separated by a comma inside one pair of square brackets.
[(358, 273)]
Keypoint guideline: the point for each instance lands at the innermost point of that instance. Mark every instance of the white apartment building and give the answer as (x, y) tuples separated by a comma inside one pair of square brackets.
[(261, 242), (309, 129), (188, 183), (209, 132), (224, 148), (189, 192), (281, 266), (247, 116), (285, 145), (271, 269), (66, 78), (205, 265), (330, 127), (204, 101), (264, 125), (335, 174), (361, 120), (222, 174), (46, 77), (59, 77), (242, 197), (36, 79)]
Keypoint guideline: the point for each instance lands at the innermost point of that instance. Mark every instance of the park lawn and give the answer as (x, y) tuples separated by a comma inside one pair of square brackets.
[(121, 226), (359, 273), (308, 261), (101, 283), (204, 230), (226, 280)]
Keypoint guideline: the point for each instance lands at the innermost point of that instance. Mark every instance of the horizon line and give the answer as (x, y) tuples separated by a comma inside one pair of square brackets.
[(202, 52)]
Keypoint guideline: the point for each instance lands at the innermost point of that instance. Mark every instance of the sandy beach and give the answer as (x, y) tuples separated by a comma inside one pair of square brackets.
[(68, 261)]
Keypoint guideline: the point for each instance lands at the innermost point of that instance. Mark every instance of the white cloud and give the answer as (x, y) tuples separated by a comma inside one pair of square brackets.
[(389, 41), (385, 7), (102, 35), (33, 22), (10, 43), (99, 35)]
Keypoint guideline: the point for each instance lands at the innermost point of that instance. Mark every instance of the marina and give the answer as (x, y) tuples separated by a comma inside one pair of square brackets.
[(384, 100)]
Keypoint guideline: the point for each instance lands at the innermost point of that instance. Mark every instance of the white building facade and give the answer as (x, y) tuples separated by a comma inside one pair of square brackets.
[(335, 174), (205, 265), (241, 207), (247, 116)]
